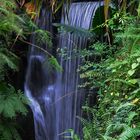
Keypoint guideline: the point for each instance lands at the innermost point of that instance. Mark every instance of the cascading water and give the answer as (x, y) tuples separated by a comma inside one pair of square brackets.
[(57, 103)]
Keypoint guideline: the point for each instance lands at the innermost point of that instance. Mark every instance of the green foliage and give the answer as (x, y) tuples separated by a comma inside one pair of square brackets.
[(8, 131), (15, 27), (76, 30), (114, 70), (12, 103), (70, 134), (54, 63), (43, 37), (10, 22), (7, 60)]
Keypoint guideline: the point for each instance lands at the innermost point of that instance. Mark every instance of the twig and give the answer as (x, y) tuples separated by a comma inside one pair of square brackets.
[(35, 46)]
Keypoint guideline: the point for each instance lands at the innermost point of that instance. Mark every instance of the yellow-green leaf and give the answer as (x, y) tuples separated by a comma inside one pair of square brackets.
[(133, 81), (138, 59), (134, 65), (131, 72)]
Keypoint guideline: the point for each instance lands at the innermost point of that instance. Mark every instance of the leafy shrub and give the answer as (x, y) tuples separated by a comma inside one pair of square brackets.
[(114, 70), (12, 102)]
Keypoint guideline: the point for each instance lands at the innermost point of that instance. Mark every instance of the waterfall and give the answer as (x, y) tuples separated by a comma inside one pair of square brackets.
[(56, 102)]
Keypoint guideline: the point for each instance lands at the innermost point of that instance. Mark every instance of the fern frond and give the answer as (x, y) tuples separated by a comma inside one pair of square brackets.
[(10, 102), (5, 133), (129, 133), (43, 37), (131, 116), (8, 131), (76, 30), (107, 138), (124, 106), (6, 60)]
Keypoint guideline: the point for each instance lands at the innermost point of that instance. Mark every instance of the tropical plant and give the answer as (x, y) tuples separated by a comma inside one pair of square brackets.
[(114, 71), (12, 102), (13, 27)]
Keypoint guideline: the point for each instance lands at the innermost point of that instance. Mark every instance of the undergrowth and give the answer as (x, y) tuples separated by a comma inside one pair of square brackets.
[(15, 25), (114, 70)]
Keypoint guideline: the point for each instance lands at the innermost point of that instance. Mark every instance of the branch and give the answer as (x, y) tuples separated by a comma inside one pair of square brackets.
[(35, 46)]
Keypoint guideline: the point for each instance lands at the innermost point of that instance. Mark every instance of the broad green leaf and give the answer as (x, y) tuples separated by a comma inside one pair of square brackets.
[(134, 65), (138, 59), (54, 63), (133, 81), (131, 72), (135, 101)]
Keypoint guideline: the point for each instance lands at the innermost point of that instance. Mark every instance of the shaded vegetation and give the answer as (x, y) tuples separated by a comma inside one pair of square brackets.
[(15, 25), (115, 72), (111, 66), (12, 102)]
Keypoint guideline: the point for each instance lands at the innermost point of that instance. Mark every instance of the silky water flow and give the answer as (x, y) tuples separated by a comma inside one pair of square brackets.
[(56, 100)]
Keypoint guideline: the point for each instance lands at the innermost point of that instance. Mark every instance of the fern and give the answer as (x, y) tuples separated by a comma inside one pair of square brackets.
[(9, 22), (76, 30), (8, 131), (129, 133), (124, 105), (107, 138), (8, 59), (43, 37), (114, 70), (10, 102)]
